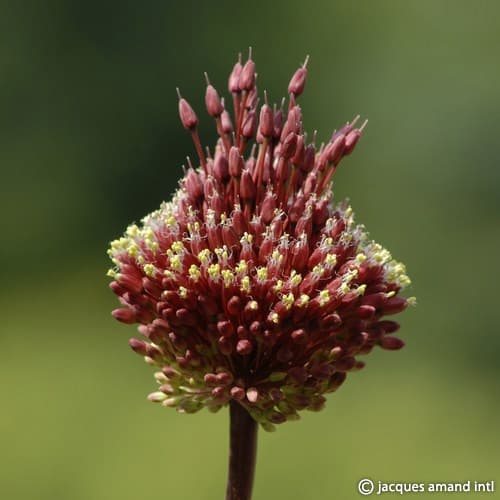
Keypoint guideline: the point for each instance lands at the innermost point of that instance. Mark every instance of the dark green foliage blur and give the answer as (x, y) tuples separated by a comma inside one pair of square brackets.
[(90, 141)]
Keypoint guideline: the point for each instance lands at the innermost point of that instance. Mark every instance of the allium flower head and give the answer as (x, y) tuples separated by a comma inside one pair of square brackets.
[(252, 284)]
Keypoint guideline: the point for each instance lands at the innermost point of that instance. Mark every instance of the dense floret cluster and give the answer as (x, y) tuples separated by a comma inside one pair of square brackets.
[(252, 284)]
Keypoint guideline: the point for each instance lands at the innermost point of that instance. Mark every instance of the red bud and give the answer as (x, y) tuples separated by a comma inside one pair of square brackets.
[(124, 315), (220, 169), (235, 162), (298, 82), (139, 346), (247, 76), (194, 186), (299, 336), (266, 122), (237, 393), (249, 125), (391, 343), (244, 347), (309, 159), (289, 145), (225, 328), (226, 124), (213, 102), (234, 305), (247, 186), (333, 151), (351, 140), (234, 78), (188, 116)]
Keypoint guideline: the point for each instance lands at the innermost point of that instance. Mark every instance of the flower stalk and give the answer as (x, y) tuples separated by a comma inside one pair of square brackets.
[(242, 453)]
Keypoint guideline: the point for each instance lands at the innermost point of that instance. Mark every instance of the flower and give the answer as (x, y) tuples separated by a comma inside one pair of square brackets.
[(252, 284)]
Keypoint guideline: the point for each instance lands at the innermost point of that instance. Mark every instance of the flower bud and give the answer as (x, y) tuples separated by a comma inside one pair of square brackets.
[(391, 343), (333, 151), (234, 78), (298, 82), (351, 140), (244, 347), (278, 123), (309, 159), (252, 394), (194, 186), (188, 116), (139, 346), (289, 145), (213, 102), (266, 121), (125, 315), (220, 168), (249, 125), (236, 162), (247, 186), (226, 123), (247, 76)]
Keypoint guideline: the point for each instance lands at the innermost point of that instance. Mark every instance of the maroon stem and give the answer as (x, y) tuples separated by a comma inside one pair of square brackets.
[(242, 453)]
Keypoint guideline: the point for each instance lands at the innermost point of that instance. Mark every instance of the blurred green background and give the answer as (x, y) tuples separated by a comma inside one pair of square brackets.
[(90, 141)]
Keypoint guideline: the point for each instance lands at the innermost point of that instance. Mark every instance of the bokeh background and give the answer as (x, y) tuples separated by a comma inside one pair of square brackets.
[(90, 141)]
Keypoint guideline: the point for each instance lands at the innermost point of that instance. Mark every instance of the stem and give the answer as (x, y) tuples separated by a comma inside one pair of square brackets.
[(242, 453)]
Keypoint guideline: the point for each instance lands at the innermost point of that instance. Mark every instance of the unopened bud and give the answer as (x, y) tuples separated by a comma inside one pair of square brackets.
[(351, 140), (194, 186), (298, 82), (298, 157), (237, 393), (247, 186), (278, 123), (299, 336), (220, 168), (225, 328), (226, 123), (124, 315), (249, 125), (289, 145), (266, 122), (188, 116), (366, 312), (333, 151), (236, 163), (391, 343), (157, 397), (352, 137), (131, 282), (247, 76), (213, 102), (252, 394), (139, 346), (395, 305), (268, 207), (244, 347), (388, 326), (234, 305), (234, 78), (309, 159)]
